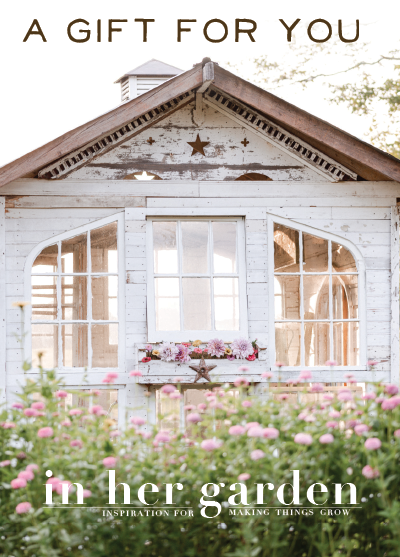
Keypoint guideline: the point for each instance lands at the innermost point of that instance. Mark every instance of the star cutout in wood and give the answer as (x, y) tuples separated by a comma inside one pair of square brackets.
[(198, 146), (202, 370)]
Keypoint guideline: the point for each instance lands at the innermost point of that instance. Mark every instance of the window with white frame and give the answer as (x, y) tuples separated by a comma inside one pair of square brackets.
[(316, 300), (197, 279), (76, 299)]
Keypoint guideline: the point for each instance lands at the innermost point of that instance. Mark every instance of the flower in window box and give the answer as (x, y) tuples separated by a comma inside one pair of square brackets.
[(146, 359), (196, 343), (156, 353), (251, 358), (148, 347), (228, 351), (198, 351), (168, 351), (242, 348), (183, 353), (216, 347)]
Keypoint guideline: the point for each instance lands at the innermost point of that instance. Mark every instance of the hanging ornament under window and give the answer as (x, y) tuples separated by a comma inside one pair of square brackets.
[(202, 370)]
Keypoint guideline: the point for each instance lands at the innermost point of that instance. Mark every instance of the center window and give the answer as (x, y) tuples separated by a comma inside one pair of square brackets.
[(197, 282)]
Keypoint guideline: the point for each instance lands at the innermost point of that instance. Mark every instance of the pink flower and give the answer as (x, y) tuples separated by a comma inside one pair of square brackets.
[(148, 347), (146, 359), (331, 363), (144, 434), (305, 375), (75, 412), (66, 423), (251, 358), (53, 482), (202, 406), (372, 444), (60, 484), (252, 424), (194, 417), (198, 350), (17, 405), (183, 353), (369, 396), (96, 409), (332, 424), (38, 405), (267, 375), (22, 508), (216, 347), (76, 443), (255, 431), (115, 433), (8, 462), (163, 437), (242, 348), (110, 377), (389, 403), (317, 388), (243, 369), (175, 395), (396, 433), (241, 381), (8, 425), (334, 414), (166, 389), (87, 493), (109, 461), (270, 433), (243, 477), (348, 375), (345, 396), (178, 380), (303, 439), (247, 404), (370, 472), (168, 351), (326, 438), (61, 394), (283, 396), (391, 389), (189, 407), (26, 475), (32, 467), (30, 412), (210, 444), (135, 373), (18, 483), (137, 420), (257, 454), (372, 363), (359, 429), (238, 430), (279, 364), (96, 392), (45, 432)]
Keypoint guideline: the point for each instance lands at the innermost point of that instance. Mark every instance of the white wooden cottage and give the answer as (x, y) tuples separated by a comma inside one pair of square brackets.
[(202, 207)]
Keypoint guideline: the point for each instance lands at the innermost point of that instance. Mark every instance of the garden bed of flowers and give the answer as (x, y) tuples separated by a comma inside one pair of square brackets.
[(337, 439), (184, 352)]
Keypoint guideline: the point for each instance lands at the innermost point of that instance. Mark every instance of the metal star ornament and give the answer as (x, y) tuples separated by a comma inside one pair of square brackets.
[(202, 370), (198, 146)]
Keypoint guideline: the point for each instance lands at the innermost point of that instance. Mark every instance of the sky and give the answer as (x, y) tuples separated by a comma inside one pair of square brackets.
[(52, 87)]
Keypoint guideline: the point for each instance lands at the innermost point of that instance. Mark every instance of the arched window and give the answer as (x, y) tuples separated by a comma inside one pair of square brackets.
[(253, 177), (316, 286), (75, 284)]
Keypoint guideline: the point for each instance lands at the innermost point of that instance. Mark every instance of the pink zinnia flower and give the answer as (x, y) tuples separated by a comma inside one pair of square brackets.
[(243, 369), (359, 429), (8, 462), (166, 389), (241, 381), (60, 484), (193, 418), (76, 443), (189, 407), (331, 363), (241, 348), (251, 358), (30, 412), (66, 423), (18, 483), (252, 424), (283, 396), (270, 432), (369, 396), (305, 374), (53, 482), (372, 444), (238, 430), (244, 477), (148, 347), (348, 375), (22, 508), (45, 432), (255, 431), (267, 375), (135, 373), (198, 350), (87, 493), (175, 395), (38, 405), (96, 409), (257, 454), (334, 414), (8, 425), (110, 377), (372, 363), (303, 439), (115, 433), (202, 406), (326, 438), (345, 396), (389, 403), (109, 461), (75, 412), (391, 389), (61, 394), (247, 404), (279, 364), (163, 437), (317, 388), (332, 424), (210, 444), (137, 420), (17, 405), (216, 347), (32, 467), (370, 472), (27, 475)]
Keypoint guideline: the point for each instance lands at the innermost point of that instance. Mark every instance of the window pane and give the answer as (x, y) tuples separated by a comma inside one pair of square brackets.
[(316, 297), (104, 348), (44, 298), (345, 296), (167, 412), (74, 298), (287, 343), (224, 238), (196, 304), (165, 247), (104, 298), (74, 254), (226, 303), (47, 260), (44, 340), (194, 246), (75, 345), (103, 248), (315, 254), (316, 343), (108, 400), (342, 260), (167, 304), (286, 249), (287, 297), (346, 343)]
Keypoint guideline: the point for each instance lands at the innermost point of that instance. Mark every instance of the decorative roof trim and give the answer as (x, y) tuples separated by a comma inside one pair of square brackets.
[(278, 136)]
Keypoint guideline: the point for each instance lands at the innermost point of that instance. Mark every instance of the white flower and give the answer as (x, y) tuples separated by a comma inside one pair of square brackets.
[(241, 348), (216, 347), (168, 351)]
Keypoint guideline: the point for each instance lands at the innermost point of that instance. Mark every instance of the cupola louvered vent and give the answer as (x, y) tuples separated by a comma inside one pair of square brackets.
[(145, 77), (125, 89)]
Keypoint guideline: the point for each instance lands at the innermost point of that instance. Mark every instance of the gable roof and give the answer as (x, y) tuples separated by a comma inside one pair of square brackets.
[(365, 160), (153, 68)]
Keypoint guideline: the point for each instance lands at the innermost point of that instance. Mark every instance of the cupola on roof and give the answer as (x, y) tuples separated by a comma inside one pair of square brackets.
[(145, 77)]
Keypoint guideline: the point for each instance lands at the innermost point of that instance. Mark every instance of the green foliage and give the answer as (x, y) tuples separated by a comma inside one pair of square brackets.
[(373, 530)]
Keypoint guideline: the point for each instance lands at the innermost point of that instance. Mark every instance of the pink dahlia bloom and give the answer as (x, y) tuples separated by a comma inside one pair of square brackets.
[(326, 438), (255, 431), (135, 373), (241, 348), (270, 432), (238, 430), (257, 454), (61, 394), (137, 420), (18, 483), (22, 508), (168, 351), (27, 475), (303, 438), (359, 429), (370, 472), (109, 461), (305, 375), (216, 347), (45, 432), (38, 405), (183, 353), (210, 444), (30, 412), (76, 443), (166, 389), (75, 412), (243, 477), (241, 382), (193, 418), (372, 444), (17, 405)]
